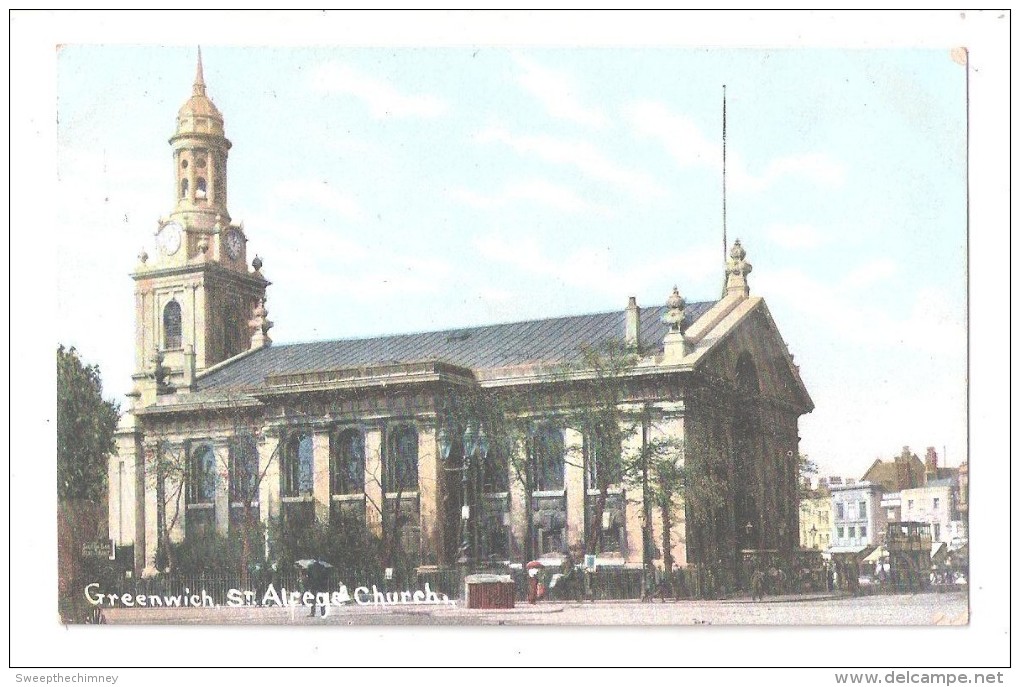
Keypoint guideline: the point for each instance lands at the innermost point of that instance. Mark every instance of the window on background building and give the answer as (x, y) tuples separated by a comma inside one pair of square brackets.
[(862, 509), (937, 531), (401, 473), (172, 325), (347, 467), (202, 475), (298, 466), (839, 511), (839, 533), (910, 503), (864, 531), (851, 532), (935, 503), (244, 469), (547, 458)]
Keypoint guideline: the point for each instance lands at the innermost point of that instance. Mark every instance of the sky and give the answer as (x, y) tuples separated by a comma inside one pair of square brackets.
[(406, 189)]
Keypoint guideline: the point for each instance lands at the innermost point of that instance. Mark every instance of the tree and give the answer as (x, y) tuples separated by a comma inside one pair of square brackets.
[(806, 469), (85, 426)]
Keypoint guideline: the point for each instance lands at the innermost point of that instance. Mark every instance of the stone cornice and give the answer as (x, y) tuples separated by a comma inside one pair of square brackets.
[(372, 376), (213, 270)]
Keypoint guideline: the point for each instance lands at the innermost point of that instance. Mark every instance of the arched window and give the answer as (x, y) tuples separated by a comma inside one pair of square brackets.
[(244, 469), (547, 458), (172, 325), (348, 463), (402, 460), (184, 185), (200, 191), (297, 466), (202, 475)]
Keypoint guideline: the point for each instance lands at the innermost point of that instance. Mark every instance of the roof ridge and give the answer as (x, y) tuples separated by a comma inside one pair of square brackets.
[(449, 330), (471, 327)]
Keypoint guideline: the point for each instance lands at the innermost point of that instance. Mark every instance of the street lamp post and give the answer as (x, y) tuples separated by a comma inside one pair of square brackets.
[(476, 451)]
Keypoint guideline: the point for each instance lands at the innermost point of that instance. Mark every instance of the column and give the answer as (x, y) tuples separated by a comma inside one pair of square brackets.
[(667, 430), (634, 501), (373, 481), (320, 475), (429, 494), (573, 444), (121, 481), (149, 525), (221, 507)]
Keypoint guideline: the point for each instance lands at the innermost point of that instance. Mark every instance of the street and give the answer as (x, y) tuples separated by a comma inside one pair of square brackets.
[(905, 609)]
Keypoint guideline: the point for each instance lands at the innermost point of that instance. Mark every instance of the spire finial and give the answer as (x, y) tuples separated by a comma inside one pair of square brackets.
[(737, 269), (199, 87)]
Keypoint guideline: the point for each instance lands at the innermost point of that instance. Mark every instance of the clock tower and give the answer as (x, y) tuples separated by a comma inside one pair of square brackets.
[(194, 299)]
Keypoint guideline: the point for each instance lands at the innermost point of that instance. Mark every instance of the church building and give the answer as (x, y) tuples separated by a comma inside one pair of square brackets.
[(226, 428)]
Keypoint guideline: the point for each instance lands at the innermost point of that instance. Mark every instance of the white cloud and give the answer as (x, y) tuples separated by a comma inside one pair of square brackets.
[(870, 273), (596, 270), (795, 236), (932, 327), (578, 154), (557, 91), (382, 98), (321, 194), (678, 134), (536, 190), (689, 146)]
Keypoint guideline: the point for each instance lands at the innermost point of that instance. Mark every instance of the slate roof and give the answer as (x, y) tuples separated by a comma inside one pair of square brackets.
[(554, 340)]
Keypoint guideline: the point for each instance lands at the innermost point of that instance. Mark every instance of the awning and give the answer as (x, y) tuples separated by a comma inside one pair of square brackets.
[(875, 556), (856, 553)]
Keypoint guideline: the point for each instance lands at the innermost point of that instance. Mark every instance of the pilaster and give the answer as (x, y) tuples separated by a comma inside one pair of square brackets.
[(320, 474), (573, 444), (221, 507), (373, 480), (150, 526), (518, 503), (269, 488), (429, 494)]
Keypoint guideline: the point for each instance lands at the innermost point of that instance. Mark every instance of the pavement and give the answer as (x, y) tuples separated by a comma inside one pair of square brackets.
[(800, 609)]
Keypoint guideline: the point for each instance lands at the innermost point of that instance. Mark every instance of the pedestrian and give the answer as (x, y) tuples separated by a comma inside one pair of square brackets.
[(757, 585), (316, 584)]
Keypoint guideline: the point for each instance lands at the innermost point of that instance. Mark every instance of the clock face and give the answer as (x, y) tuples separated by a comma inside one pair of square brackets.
[(235, 242), (169, 238)]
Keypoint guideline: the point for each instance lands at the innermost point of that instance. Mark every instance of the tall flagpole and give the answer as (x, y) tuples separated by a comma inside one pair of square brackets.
[(724, 173), (724, 244)]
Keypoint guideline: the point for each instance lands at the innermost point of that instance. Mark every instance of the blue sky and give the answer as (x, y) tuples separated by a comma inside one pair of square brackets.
[(404, 189)]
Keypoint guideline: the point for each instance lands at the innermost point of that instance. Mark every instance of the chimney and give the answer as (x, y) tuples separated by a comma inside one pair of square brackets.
[(632, 329), (931, 464)]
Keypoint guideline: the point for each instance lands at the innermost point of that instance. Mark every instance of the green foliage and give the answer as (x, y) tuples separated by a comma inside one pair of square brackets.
[(207, 553), (345, 543), (85, 427), (806, 469)]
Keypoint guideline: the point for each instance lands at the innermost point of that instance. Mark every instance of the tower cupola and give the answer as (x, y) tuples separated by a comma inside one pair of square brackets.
[(200, 159)]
